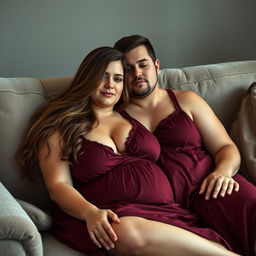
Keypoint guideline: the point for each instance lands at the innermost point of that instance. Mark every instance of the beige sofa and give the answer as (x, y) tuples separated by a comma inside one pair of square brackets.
[(25, 227)]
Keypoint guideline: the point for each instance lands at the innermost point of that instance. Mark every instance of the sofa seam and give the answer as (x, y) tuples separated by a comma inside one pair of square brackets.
[(219, 77), (24, 93)]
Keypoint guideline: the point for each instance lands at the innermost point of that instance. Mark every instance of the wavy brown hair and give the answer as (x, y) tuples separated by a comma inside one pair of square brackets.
[(70, 114)]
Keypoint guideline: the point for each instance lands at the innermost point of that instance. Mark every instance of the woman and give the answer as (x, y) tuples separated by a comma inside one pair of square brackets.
[(110, 194)]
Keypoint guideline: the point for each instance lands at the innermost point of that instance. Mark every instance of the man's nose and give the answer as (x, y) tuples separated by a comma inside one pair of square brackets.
[(137, 72)]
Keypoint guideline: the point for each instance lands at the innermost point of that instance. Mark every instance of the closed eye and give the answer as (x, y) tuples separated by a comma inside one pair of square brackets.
[(143, 65)]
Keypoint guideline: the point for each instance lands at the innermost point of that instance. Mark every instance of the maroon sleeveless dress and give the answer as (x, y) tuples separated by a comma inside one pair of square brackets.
[(130, 184), (186, 163)]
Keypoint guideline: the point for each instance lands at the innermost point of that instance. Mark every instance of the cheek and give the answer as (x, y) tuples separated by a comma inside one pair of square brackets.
[(96, 96), (152, 76), (120, 89)]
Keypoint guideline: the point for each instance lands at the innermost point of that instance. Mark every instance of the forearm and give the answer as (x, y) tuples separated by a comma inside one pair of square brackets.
[(227, 160), (71, 201)]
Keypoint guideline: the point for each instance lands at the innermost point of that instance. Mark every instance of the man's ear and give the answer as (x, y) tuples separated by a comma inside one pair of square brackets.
[(157, 65)]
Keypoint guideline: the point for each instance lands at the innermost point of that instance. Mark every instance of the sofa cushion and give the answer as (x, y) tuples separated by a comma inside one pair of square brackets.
[(15, 225), (222, 85), (244, 133), (41, 219), (20, 98), (53, 247), (11, 248)]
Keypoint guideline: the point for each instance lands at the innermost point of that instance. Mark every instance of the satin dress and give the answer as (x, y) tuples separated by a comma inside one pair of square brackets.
[(131, 184), (186, 163)]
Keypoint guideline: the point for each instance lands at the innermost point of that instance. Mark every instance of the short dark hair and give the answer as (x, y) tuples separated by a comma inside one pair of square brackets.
[(128, 43)]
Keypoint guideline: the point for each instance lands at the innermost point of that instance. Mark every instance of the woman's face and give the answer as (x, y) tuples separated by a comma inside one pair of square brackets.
[(110, 89)]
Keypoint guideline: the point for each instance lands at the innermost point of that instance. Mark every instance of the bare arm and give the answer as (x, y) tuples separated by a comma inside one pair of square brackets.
[(59, 183), (218, 143)]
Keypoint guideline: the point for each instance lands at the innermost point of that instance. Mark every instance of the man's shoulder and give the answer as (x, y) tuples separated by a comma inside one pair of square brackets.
[(185, 94)]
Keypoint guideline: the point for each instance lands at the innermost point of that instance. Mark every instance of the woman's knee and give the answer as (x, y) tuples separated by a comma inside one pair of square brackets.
[(131, 240)]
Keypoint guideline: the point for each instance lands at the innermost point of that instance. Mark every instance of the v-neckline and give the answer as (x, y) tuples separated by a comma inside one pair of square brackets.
[(176, 110), (109, 148)]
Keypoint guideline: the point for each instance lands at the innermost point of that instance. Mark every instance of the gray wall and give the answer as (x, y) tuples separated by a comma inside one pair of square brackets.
[(42, 38)]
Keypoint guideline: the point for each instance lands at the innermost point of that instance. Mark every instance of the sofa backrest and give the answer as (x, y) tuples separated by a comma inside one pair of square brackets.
[(221, 85), (20, 98)]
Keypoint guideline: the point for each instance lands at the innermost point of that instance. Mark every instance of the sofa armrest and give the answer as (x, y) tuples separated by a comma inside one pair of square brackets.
[(41, 219), (16, 225)]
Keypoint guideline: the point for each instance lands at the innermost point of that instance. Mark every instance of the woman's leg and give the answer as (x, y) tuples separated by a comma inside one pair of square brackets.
[(139, 236)]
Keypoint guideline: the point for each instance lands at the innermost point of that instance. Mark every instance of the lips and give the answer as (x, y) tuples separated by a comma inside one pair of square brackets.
[(108, 94), (138, 82)]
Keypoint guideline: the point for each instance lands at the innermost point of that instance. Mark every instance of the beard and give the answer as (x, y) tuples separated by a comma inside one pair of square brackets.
[(143, 92)]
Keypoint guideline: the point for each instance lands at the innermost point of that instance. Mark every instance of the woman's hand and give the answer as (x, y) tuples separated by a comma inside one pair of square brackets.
[(99, 228), (218, 185)]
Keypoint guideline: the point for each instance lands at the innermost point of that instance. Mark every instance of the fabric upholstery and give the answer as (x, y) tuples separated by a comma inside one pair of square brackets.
[(16, 225), (244, 133), (20, 98), (52, 247), (41, 219), (11, 248), (222, 85)]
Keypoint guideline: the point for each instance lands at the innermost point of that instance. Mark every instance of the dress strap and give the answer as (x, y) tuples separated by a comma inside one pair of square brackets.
[(174, 99), (125, 115)]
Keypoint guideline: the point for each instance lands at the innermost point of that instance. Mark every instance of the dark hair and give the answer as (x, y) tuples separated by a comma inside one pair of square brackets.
[(128, 43), (71, 113)]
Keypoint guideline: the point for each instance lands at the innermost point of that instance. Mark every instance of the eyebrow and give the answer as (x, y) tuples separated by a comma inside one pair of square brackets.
[(142, 60), (116, 74), (139, 61)]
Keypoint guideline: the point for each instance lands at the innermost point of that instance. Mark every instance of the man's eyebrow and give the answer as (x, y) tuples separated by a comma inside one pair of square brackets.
[(142, 60), (139, 61)]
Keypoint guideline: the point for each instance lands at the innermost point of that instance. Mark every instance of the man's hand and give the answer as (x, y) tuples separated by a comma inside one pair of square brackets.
[(218, 185)]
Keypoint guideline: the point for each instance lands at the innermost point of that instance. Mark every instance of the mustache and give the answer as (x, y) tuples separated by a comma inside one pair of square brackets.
[(139, 78)]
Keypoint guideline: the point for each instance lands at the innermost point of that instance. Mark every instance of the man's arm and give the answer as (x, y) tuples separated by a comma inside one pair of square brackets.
[(217, 142)]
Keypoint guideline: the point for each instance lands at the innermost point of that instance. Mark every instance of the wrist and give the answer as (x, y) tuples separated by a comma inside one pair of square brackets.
[(89, 210), (224, 172)]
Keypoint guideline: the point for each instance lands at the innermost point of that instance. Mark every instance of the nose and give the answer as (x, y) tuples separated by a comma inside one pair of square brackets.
[(109, 83), (136, 72)]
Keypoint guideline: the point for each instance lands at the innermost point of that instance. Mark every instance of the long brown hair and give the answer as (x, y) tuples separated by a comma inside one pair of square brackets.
[(71, 113)]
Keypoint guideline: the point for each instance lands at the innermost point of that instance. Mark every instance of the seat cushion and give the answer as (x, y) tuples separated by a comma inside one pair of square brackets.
[(52, 247)]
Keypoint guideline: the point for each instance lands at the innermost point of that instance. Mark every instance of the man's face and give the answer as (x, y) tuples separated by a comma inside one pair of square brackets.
[(142, 72)]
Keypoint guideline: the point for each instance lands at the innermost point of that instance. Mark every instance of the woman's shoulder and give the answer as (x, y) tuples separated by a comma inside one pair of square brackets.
[(53, 143)]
